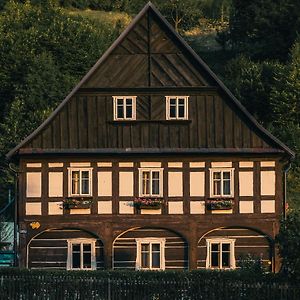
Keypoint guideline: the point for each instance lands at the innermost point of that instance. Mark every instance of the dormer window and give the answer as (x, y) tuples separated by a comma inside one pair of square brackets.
[(177, 107), (124, 108)]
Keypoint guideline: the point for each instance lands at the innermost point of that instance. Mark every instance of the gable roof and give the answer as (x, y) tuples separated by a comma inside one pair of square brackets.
[(195, 59)]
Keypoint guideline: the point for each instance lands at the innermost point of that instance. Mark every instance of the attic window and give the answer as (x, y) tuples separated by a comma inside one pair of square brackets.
[(177, 107), (124, 108)]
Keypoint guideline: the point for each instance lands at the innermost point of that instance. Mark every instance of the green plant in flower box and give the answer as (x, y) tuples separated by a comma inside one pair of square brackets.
[(147, 203)]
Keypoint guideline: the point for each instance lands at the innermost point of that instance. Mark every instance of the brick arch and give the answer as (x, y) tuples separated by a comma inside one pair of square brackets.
[(124, 252), (248, 241), (49, 248)]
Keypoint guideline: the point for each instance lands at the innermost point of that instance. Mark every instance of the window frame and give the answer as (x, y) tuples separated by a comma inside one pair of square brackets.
[(151, 241), (168, 107), (160, 170), (81, 241), (222, 170), (115, 105), (221, 241), (70, 170)]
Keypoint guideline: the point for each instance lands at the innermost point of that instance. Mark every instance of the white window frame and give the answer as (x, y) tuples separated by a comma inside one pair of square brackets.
[(70, 170), (139, 242), (222, 170), (124, 98), (81, 241), (160, 170), (221, 241), (186, 107)]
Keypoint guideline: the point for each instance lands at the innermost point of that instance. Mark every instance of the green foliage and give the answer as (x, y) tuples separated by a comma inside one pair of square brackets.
[(264, 28), (289, 245)]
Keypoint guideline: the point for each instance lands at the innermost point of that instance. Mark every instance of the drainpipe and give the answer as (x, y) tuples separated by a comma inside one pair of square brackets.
[(285, 170)]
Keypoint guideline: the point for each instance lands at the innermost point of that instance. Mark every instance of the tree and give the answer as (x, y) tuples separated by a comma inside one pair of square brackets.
[(264, 28), (289, 241)]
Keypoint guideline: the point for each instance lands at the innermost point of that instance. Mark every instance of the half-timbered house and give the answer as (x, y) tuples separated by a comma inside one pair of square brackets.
[(149, 163)]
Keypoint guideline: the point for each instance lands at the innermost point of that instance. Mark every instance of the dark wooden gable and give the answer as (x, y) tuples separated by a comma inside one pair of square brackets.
[(146, 56), (150, 60)]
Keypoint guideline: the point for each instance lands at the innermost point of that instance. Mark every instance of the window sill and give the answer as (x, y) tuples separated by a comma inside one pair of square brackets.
[(150, 121)]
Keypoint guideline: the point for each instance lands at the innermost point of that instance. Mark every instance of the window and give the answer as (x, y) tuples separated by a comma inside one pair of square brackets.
[(80, 182), (124, 107), (150, 254), (177, 107), (151, 182), (220, 254), (81, 254), (221, 182)]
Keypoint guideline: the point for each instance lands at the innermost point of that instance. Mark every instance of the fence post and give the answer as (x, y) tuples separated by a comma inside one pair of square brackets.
[(108, 289)]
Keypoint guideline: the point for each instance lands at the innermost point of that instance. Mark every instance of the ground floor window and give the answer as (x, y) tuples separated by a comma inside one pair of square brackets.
[(81, 254), (220, 254), (150, 254)]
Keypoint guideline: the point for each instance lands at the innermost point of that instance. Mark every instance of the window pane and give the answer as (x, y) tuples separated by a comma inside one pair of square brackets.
[(226, 259), (155, 183), (226, 187), (75, 182), (85, 182), (120, 108), (76, 256), (146, 183), (172, 111), (87, 260), (215, 259), (155, 259), (87, 247), (217, 187), (180, 111), (214, 247), (226, 247), (226, 175), (129, 112), (217, 175), (145, 255)]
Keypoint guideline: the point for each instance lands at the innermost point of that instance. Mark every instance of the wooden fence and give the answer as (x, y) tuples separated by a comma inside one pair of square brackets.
[(60, 287)]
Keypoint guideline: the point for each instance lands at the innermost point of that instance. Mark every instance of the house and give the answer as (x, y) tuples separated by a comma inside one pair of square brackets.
[(149, 163)]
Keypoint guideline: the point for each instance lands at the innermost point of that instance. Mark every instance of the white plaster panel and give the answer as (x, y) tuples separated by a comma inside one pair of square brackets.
[(246, 164), (175, 186), (80, 211), (55, 184), (246, 183), (104, 164), (55, 208), (104, 207), (197, 184), (148, 164), (197, 164), (80, 164), (197, 207), (55, 165), (267, 182), (125, 164), (267, 206), (126, 183), (219, 164), (33, 208), (267, 163), (33, 165), (175, 164), (33, 184), (246, 207), (175, 207), (150, 211), (104, 184), (126, 207)]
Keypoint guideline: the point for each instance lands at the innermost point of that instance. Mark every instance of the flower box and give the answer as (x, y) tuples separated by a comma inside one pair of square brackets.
[(219, 204), (71, 203), (147, 203)]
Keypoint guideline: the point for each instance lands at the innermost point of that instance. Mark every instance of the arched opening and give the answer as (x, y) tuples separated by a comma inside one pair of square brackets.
[(150, 248), (233, 247), (65, 248)]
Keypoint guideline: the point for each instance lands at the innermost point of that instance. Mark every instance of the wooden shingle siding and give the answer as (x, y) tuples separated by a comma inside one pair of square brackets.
[(124, 248), (50, 249), (87, 123), (247, 242)]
